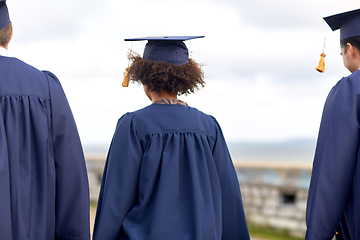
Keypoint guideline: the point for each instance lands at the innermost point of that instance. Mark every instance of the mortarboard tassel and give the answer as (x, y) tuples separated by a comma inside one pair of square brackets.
[(125, 82), (321, 66), (126, 79)]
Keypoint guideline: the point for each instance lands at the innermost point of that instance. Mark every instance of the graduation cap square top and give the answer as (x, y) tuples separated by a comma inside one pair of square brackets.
[(4, 15), (169, 49), (347, 22)]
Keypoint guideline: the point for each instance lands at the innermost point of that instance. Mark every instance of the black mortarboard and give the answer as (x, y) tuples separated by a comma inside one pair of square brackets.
[(4, 14), (170, 49), (347, 22)]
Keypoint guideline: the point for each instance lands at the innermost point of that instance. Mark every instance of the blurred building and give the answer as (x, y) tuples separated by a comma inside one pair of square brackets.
[(95, 164), (275, 193)]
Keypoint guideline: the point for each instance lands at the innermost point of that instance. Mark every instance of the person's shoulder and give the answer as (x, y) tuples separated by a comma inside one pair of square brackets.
[(15, 62), (172, 116), (350, 83), (30, 70), (142, 110), (352, 78), (203, 120), (140, 114), (127, 117), (24, 78), (156, 109), (202, 114), (50, 76)]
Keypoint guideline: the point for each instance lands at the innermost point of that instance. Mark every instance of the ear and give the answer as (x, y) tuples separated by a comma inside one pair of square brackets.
[(352, 50)]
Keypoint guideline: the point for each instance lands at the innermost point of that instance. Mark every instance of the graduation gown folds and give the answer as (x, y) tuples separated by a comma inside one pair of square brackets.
[(43, 180), (334, 193), (169, 175)]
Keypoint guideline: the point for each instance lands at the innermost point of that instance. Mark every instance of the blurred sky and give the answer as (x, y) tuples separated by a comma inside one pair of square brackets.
[(259, 55)]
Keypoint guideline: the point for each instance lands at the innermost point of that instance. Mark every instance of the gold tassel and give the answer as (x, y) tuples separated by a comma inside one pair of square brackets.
[(126, 79), (321, 66), (125, 82)]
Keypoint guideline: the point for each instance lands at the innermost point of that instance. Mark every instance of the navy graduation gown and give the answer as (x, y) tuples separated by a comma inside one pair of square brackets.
[(169, 175), (334, 193), (43, 180)]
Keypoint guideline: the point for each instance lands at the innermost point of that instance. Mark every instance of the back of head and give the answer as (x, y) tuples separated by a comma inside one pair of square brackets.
[(160, 76), (5, 24), (355, 41), (5, 35), (349, 25), (166, 66)]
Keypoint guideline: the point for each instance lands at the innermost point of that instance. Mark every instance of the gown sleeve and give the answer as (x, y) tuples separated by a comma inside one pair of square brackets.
[(334, 161), (234, 222), (72, 191), (119, 187)]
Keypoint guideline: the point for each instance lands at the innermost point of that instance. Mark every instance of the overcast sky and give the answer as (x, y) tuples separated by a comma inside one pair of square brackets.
[(259, 55)]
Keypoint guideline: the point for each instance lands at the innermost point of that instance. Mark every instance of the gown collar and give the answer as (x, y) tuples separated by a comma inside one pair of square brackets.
[(170, 101)]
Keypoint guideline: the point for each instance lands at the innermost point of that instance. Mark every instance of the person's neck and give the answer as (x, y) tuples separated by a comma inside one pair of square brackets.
[(164, 94), (358, 66), (6, 47), (355, 67)]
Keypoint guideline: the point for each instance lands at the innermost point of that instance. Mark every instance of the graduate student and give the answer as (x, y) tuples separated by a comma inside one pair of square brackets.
[(43, 180), (168, 173), (334, 195)]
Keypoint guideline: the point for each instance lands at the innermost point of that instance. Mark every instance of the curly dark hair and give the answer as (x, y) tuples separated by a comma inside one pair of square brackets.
[(162, 76)]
